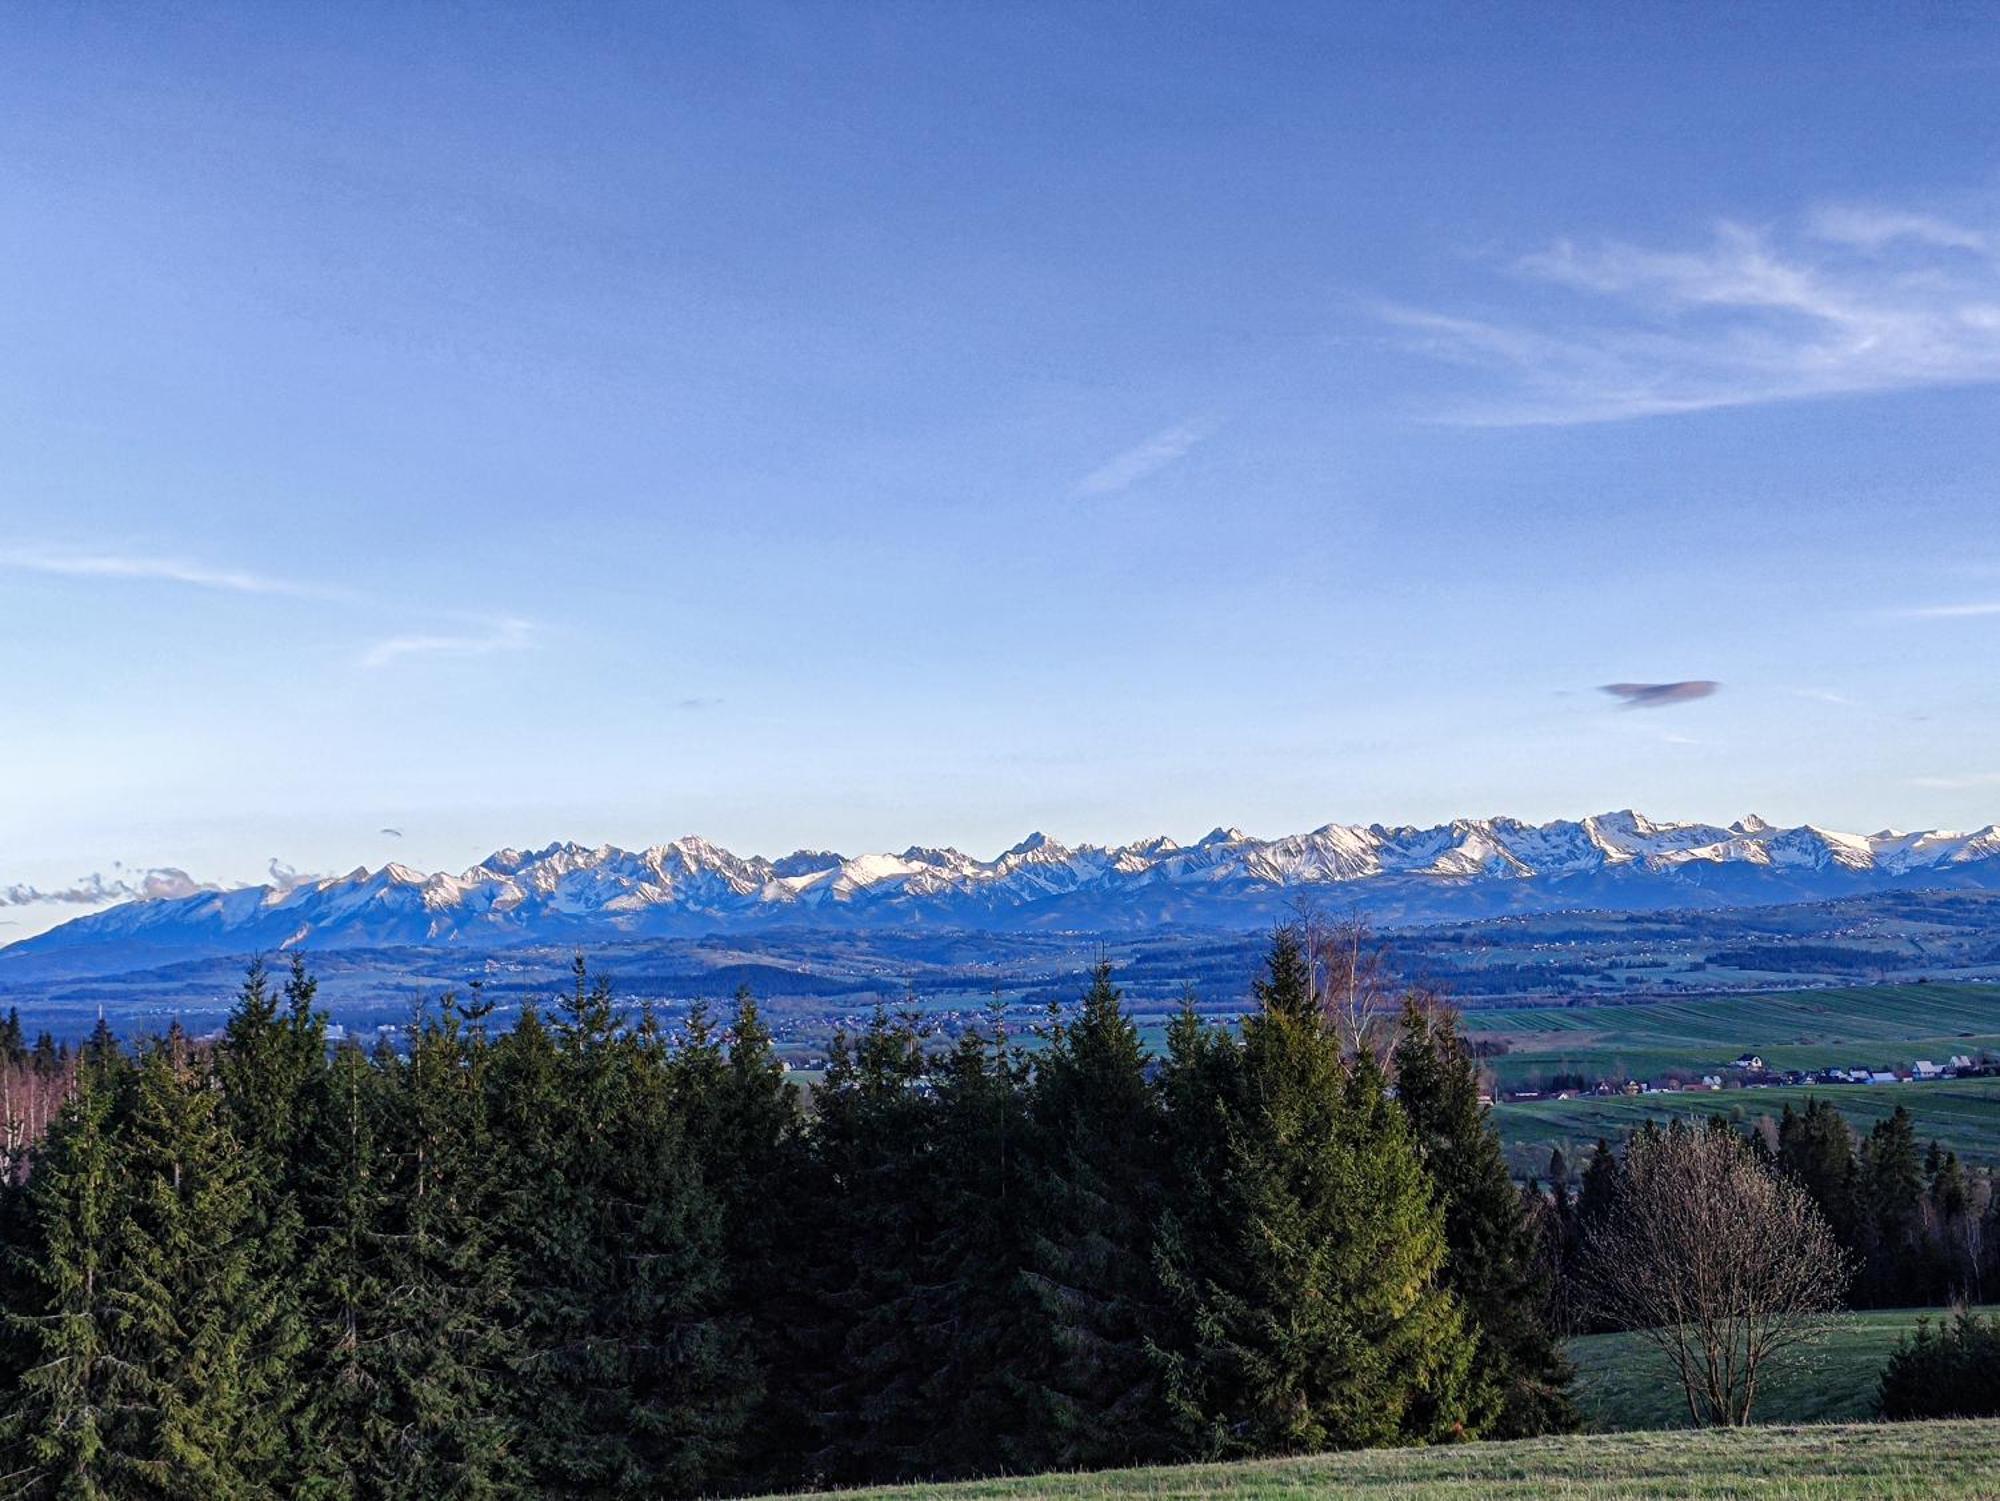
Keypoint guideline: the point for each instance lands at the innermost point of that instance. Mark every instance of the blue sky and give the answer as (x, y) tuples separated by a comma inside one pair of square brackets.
[(861, 425)]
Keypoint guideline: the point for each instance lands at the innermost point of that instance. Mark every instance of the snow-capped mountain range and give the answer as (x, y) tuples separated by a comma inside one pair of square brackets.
[(1466, 868)]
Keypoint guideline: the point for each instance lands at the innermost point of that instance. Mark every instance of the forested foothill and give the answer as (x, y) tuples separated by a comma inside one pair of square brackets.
[(592, 1256)]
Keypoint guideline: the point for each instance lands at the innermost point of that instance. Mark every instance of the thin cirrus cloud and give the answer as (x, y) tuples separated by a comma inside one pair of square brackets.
[(1660, 695), (64, 563), (1972, 611), (508, 634), (505, 635), (1848, 300), (1963, 783), (1166, 447)]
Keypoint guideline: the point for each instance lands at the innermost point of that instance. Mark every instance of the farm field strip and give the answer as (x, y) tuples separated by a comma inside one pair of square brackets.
[(1962, 1113)]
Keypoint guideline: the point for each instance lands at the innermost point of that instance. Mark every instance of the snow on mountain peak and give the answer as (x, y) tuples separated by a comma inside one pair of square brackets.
[(691, 885)]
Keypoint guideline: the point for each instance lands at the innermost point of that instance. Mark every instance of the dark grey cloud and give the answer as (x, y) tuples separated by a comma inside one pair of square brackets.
[(1660, 695)]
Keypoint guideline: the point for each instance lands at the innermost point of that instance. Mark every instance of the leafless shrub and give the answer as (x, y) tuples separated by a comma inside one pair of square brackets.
[(1722, 1264)]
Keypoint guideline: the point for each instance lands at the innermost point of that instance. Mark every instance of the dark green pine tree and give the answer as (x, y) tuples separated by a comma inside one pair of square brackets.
[(875, 1140), (348, 1416), (197, 1415), (1094, 1185), (1603, 1180), (269, 1063), (973, 1305), (1816, 1150), (743, 1123), (636, 1381), (1310, 1312), (1494, 1262), (439, 1351), (61, 1324), (1891, 1194)]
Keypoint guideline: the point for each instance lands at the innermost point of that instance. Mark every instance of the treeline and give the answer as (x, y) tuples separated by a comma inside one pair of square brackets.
[(35, 1079), (582, 1258), (1917, 1228)]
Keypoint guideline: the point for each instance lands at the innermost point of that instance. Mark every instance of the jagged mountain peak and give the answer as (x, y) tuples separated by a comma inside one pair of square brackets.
[(568, 892)]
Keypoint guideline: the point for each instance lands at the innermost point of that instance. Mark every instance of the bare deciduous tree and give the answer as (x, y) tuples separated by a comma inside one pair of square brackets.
[(1351, 980), (1721, 1263)]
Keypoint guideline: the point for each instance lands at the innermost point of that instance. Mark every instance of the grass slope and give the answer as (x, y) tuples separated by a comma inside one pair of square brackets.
[(1624, 1383), (1964, 1114), (1876, 1026), (1862, 1462)]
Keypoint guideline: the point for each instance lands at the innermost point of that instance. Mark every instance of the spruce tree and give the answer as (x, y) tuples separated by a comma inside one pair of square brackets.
[(348, 1413), (875, 1138), (1310, 1312), (636, 1378), (61, 1320), (744, 1126), (1816, 1150), (193, 1304), (1094, 1194), (1494, 1263), (269, 1062), (437, 1353), (1891, 1192), (973, 1305)]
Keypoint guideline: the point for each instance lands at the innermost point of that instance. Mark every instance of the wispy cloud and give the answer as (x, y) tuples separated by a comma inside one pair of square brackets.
[(1854, 299), (509, 634), (1972, 611), (97, 889), (1168, 446), (1660, 695), (114, 565), (1959, 783), (1823, 696), (159, 881)]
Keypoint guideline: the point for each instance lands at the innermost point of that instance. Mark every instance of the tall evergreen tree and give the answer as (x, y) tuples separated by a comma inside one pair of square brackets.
[(436, 1355), (876, 1153), (193, 1303), (61, 1320), (972, 1304), (1493, 1261), (348, 1414), (1816, 1150), (637, 1378), (743, 1123), (271, 1056), (1095, 1184), (1891, 1193), (1313, 1319)]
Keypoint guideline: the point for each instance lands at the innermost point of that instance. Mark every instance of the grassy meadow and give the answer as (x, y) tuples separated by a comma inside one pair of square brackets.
[(1875, 1026), (1964, 1114), (1858, 1462), (1624, 1383)]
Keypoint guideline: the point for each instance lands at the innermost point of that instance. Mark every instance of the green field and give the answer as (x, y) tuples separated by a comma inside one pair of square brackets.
[(1862, 1462), (1624, 1383), (1874, 1026), (1964, 1114), (1810, 1447)]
